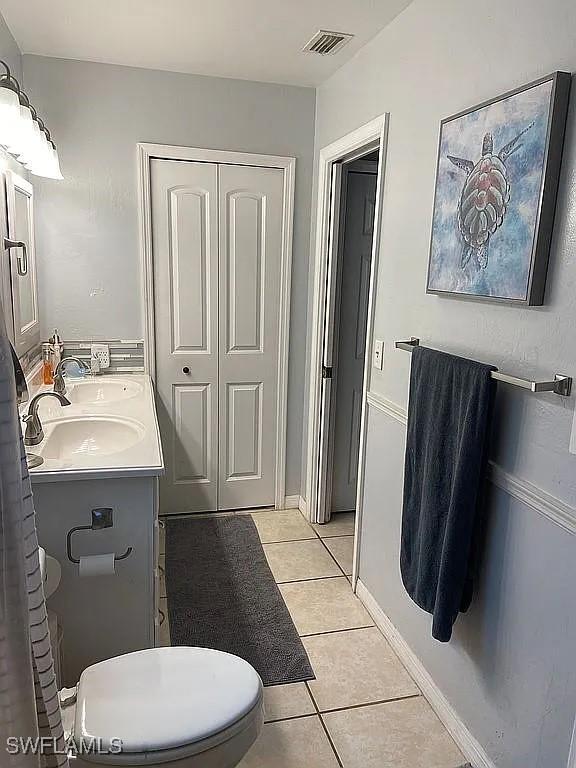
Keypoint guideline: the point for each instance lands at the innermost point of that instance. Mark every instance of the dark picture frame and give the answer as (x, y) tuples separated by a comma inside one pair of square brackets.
[(459, 261)]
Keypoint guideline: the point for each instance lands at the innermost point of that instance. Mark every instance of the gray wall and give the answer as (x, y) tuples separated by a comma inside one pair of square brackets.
[(509, 671), (87, 225), (9, 51)]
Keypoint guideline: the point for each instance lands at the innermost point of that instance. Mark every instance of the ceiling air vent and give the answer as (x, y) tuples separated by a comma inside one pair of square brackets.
[(326, 43)]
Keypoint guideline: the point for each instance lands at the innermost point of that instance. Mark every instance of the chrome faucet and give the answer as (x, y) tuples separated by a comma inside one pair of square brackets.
[(34, 432), (59, 385)]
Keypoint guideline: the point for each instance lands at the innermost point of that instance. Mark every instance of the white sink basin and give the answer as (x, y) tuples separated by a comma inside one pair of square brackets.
[(86, 392), (90, 436)]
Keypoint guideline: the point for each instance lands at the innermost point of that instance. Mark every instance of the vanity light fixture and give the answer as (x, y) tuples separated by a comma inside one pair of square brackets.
[(23, 133)]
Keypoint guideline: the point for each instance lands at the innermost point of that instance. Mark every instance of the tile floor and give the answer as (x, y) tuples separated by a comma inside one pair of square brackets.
[(363, 710)]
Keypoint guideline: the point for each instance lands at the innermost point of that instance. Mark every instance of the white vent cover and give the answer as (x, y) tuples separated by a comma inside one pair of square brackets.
[(326, 43)]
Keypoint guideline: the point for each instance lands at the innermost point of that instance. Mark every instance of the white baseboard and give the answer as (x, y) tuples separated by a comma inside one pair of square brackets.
[(469, 746), (295, 502)]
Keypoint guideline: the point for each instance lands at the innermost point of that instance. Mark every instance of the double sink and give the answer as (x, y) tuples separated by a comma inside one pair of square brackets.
[(68, 436), (110, 425)]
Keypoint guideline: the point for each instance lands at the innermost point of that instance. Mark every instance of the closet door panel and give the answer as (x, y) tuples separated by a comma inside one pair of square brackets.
[(185, 245), (250, 236), (244, 293), (192, 413), (190, 269), (244, 433)]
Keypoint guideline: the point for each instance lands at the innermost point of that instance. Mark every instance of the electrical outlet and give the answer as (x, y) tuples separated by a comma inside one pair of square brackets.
[(378, 358), (100, 353)]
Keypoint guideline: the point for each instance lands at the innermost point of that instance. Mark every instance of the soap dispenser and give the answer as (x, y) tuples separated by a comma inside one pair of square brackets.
[(47, 364)]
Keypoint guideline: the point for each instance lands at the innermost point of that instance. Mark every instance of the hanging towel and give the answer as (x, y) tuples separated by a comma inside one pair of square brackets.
[(29, 704), (449, 419)]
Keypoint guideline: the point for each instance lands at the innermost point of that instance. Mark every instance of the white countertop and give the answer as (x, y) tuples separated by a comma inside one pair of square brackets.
[(144, 458)]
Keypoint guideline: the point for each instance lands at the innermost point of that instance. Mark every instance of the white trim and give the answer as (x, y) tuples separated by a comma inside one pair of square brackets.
[(388, 407), (145, 153), (201, 155), (295, 502), (146, 259), (284, 328), (353, 144), (468, 744), (555, 510)]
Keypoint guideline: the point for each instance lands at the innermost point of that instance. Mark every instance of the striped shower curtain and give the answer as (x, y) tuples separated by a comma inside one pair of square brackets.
[(29, 705)]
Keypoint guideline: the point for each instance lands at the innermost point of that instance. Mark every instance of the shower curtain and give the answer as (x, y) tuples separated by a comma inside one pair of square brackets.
[(29, 704)]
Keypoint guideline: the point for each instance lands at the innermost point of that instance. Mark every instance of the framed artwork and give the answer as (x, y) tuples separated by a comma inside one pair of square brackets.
[(496, 185)]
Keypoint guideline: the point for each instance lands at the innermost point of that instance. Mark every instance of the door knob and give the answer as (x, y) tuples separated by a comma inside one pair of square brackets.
[(186, 370)]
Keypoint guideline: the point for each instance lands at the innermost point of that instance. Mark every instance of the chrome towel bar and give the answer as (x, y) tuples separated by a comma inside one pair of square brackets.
[(561, 385)]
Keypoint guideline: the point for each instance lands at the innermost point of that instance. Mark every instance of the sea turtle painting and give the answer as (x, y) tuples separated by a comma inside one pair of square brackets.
[(485, 197), (495, 194)]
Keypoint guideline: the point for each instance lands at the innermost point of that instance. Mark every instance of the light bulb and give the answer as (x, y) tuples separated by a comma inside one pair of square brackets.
[(9, 112), (56, 172), (48, 165), (34, 150), (21, 138), (28, 138)]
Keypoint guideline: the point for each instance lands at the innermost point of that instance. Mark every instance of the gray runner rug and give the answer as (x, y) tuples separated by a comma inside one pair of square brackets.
[(221, 594)]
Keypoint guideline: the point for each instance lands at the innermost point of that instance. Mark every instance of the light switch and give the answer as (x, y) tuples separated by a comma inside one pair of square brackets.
[(378, 358)]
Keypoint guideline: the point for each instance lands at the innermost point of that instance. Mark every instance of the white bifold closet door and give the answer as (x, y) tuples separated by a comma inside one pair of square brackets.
[(185, 249), (250, 212), (217, 239)]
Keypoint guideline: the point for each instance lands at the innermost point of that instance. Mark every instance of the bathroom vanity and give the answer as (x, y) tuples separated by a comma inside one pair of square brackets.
[(101, 453)]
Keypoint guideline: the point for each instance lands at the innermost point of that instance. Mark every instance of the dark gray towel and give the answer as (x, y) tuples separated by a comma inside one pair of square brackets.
[(449, 420)]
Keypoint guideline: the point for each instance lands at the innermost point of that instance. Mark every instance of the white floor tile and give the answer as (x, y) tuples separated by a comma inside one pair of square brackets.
[(285, 701), (326, 605), (299, 560)]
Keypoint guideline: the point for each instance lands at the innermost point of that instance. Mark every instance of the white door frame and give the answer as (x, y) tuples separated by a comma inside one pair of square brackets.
[(355, 144), (148, 152)]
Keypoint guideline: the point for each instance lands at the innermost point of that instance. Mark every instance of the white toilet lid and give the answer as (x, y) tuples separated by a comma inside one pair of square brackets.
[(164, 698)]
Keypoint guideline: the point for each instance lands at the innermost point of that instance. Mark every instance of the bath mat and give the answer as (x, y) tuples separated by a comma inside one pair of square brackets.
[(221, 594)]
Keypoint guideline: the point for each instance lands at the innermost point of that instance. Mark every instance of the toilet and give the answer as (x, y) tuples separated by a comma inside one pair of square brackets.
[(179, 707)]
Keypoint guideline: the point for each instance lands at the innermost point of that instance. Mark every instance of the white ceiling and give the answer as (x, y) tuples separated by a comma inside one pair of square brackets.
[(247, 39)]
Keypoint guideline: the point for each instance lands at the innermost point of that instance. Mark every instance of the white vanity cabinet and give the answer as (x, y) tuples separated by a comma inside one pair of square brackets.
[(86, 466), (105, 615)]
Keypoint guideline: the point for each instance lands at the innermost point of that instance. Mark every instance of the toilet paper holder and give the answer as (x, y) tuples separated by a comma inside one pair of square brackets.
[(101, 518)]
